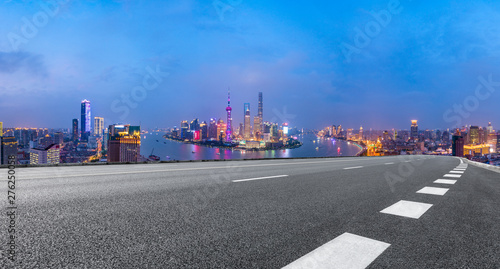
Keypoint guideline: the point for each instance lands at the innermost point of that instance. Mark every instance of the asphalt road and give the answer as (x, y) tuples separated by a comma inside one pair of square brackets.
[(301, 213)]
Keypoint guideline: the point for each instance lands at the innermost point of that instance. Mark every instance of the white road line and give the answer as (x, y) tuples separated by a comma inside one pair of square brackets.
[(445, 181), (407, 209), (347, 251), (452, 175), (355, 167), (457, 172), (257, 178), (388, 163), (433, 190), (186, 169), (460, 169)]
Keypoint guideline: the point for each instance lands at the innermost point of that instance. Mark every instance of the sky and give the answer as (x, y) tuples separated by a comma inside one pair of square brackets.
[(376, 64)]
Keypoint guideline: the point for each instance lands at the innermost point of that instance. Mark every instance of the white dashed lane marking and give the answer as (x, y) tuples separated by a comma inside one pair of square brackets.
[(445, 181), (457, 172), (452, 175), (433, 190), (257, 178), (347, 251), (355, 167), (407, 209)]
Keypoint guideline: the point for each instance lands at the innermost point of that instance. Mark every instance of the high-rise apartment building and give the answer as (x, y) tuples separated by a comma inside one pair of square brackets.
[(124, 143), (98, 126), (85, 120)]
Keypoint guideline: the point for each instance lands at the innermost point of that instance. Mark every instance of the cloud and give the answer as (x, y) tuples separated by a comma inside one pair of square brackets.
[(30, 64)]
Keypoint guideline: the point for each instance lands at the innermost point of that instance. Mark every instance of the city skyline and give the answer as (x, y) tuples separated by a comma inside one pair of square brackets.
[(420, 65)]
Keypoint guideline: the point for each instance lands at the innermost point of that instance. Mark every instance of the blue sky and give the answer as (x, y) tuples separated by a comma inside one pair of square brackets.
[(419, 63)]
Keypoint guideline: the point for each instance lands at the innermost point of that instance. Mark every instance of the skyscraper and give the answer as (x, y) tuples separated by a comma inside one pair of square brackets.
[(124, 143), (212, 129), (85, 120), (98, 126), (246, 121), (474, 135), (1, 129), (184, 129), (261, 113), (8, 147), (229, 129), (489, 128), (414, 130), (457, 147), (75, 131), (256, 127)]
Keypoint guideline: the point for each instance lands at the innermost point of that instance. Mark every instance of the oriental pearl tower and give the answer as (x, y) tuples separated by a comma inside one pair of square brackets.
[(229, 130)]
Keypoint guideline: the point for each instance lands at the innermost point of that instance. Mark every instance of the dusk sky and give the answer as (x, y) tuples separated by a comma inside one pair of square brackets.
[(416, 63)]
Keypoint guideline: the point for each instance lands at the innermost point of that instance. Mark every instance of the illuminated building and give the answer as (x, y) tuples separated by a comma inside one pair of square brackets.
[(457, 145), (493, 142), (184, 129), (246, 124), (414, 130), (221, 130), (195, 125), (197, 135), (124, 143), (489, 128), (285, 129), (8, 146), (75, 131), (477, 150), (473, 135), (204, 130), (212, 129), (229, 129), (85, 120), (98, 126), (256, 127), (46, 155), (1, 129), (361, 133), (261, 112)]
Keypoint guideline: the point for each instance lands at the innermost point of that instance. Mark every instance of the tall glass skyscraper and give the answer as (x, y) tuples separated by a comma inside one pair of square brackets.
[(85, 120), (246, 121)]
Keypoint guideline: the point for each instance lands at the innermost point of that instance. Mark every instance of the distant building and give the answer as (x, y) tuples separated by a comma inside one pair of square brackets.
[(204, 130), (98, 126), (85, 120), (46, 155), (256, 127), (474, 135), (212, 129), (124, 143), (261, 113), (457, 146), (58, 138), (76, 134), (229, 125), (8, 147), (184, 129), (246, 122), (1, 129), (414, 130)]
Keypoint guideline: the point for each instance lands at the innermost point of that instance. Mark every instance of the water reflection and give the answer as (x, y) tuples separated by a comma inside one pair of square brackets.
[(312, 147)]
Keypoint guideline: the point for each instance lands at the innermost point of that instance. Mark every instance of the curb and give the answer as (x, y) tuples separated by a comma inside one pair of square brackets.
[(483, 165)]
